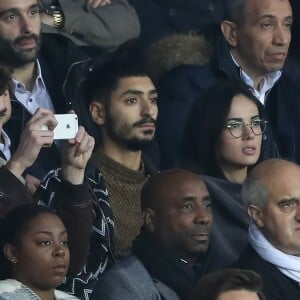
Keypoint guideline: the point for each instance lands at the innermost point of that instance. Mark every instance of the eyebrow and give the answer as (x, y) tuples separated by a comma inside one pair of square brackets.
[(15, 10), (193, 198), (241, 120), (138, 92), (273, 17), (49, 233)]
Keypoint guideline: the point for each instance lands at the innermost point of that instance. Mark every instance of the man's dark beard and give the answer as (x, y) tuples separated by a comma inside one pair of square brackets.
[(133, 144), (12, 56)]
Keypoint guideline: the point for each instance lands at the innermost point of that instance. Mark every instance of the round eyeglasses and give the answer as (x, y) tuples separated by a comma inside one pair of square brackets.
[(237, 128)]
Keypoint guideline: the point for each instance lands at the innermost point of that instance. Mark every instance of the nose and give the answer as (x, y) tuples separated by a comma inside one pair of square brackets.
[(25, 24), (281, 35), (59, 252), (248, 132), (297, 213), (148, 109), (203, 216)]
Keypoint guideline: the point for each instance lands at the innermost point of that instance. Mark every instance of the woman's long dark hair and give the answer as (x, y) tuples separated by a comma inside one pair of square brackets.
[(205, 124)]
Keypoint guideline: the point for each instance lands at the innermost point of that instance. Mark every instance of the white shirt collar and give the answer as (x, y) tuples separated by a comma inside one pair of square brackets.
[(268, 82)]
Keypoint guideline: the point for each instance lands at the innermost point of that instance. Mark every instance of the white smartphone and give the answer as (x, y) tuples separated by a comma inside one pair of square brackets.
[(67, 126)]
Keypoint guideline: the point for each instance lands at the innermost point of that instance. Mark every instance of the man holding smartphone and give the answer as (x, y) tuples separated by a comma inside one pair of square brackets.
[(46, 70)]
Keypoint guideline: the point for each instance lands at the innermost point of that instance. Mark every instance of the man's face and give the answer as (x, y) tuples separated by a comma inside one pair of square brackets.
[(183, 219), (5, 108), (281, 215), (20, 26), (263, 39), (131, 116)]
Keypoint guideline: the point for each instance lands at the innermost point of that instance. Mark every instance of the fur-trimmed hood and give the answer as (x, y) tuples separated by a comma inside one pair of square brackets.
[(175, 50)]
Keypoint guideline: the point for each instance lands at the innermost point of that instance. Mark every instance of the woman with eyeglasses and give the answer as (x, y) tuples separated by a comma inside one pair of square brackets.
[(225, 136)]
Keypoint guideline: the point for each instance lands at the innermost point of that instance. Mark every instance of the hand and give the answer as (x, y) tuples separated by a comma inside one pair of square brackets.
[(33, 138), (32, 183), (96, 3), (76, 153), (47, 19)]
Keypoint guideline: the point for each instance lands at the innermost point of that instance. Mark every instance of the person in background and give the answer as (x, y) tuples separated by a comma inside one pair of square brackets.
[(271, 195), (34, 254), (229, 284), (123, 109), (169, 254), (252, 48), (103, 24), (229, 138)]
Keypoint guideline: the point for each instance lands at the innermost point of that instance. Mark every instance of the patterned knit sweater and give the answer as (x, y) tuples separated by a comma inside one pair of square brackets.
[(124, 186)]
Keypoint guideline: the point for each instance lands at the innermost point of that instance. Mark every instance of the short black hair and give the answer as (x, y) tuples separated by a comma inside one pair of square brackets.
[(104, 78), (214, 284), (5, 78), (235, 10)]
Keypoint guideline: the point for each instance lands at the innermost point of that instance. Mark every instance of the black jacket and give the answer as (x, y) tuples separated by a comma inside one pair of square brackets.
[(63, 68), (276, 285)]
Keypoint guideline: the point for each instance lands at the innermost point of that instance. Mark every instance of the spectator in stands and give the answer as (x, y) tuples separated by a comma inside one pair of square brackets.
[(102, 24), (227, 139), (159, 18), (123, 107), (70, 197), (229, 284), (272, 195), (252, 50), (34, 254), (169, 254), (223, 144), (5, 113), (47, 72)]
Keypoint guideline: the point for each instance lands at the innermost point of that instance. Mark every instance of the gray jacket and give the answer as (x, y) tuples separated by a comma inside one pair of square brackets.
[(11, 289), (130, 280), (106, 27)]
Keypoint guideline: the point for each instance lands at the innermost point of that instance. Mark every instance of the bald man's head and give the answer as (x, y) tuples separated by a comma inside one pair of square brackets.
[(272, 195), (177, 211)]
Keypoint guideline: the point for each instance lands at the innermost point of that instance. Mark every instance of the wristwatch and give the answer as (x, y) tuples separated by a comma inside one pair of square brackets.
[(58, 16)]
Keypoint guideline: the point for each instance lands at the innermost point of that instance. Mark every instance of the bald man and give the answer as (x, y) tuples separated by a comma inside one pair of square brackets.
[(169, 254), (272, 196)]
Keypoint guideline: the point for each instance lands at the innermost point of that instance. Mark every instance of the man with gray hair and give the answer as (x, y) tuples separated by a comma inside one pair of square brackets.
[(272, 196)]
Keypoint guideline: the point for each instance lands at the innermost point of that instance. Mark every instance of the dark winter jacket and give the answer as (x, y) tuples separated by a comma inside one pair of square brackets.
[(182, 86), (276, 285)]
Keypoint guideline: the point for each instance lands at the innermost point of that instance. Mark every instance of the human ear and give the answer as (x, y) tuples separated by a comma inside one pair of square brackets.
[(10, 253), (230, 33), (256, 215), (149, 219), (97, 112)]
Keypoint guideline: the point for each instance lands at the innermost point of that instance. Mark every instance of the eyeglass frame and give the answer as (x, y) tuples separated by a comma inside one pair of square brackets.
[(244, 125)]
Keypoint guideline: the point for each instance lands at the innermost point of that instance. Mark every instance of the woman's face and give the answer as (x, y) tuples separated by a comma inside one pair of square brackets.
[(42, 255), (236, 153)]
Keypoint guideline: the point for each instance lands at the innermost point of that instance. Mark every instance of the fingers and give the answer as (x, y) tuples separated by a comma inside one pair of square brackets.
[(85, 145), (42, 119), (96, 3)]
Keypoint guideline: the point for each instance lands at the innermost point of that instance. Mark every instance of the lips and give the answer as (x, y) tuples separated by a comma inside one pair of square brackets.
[(200, 237), (60, 268), (27, 43), (249, 150)]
